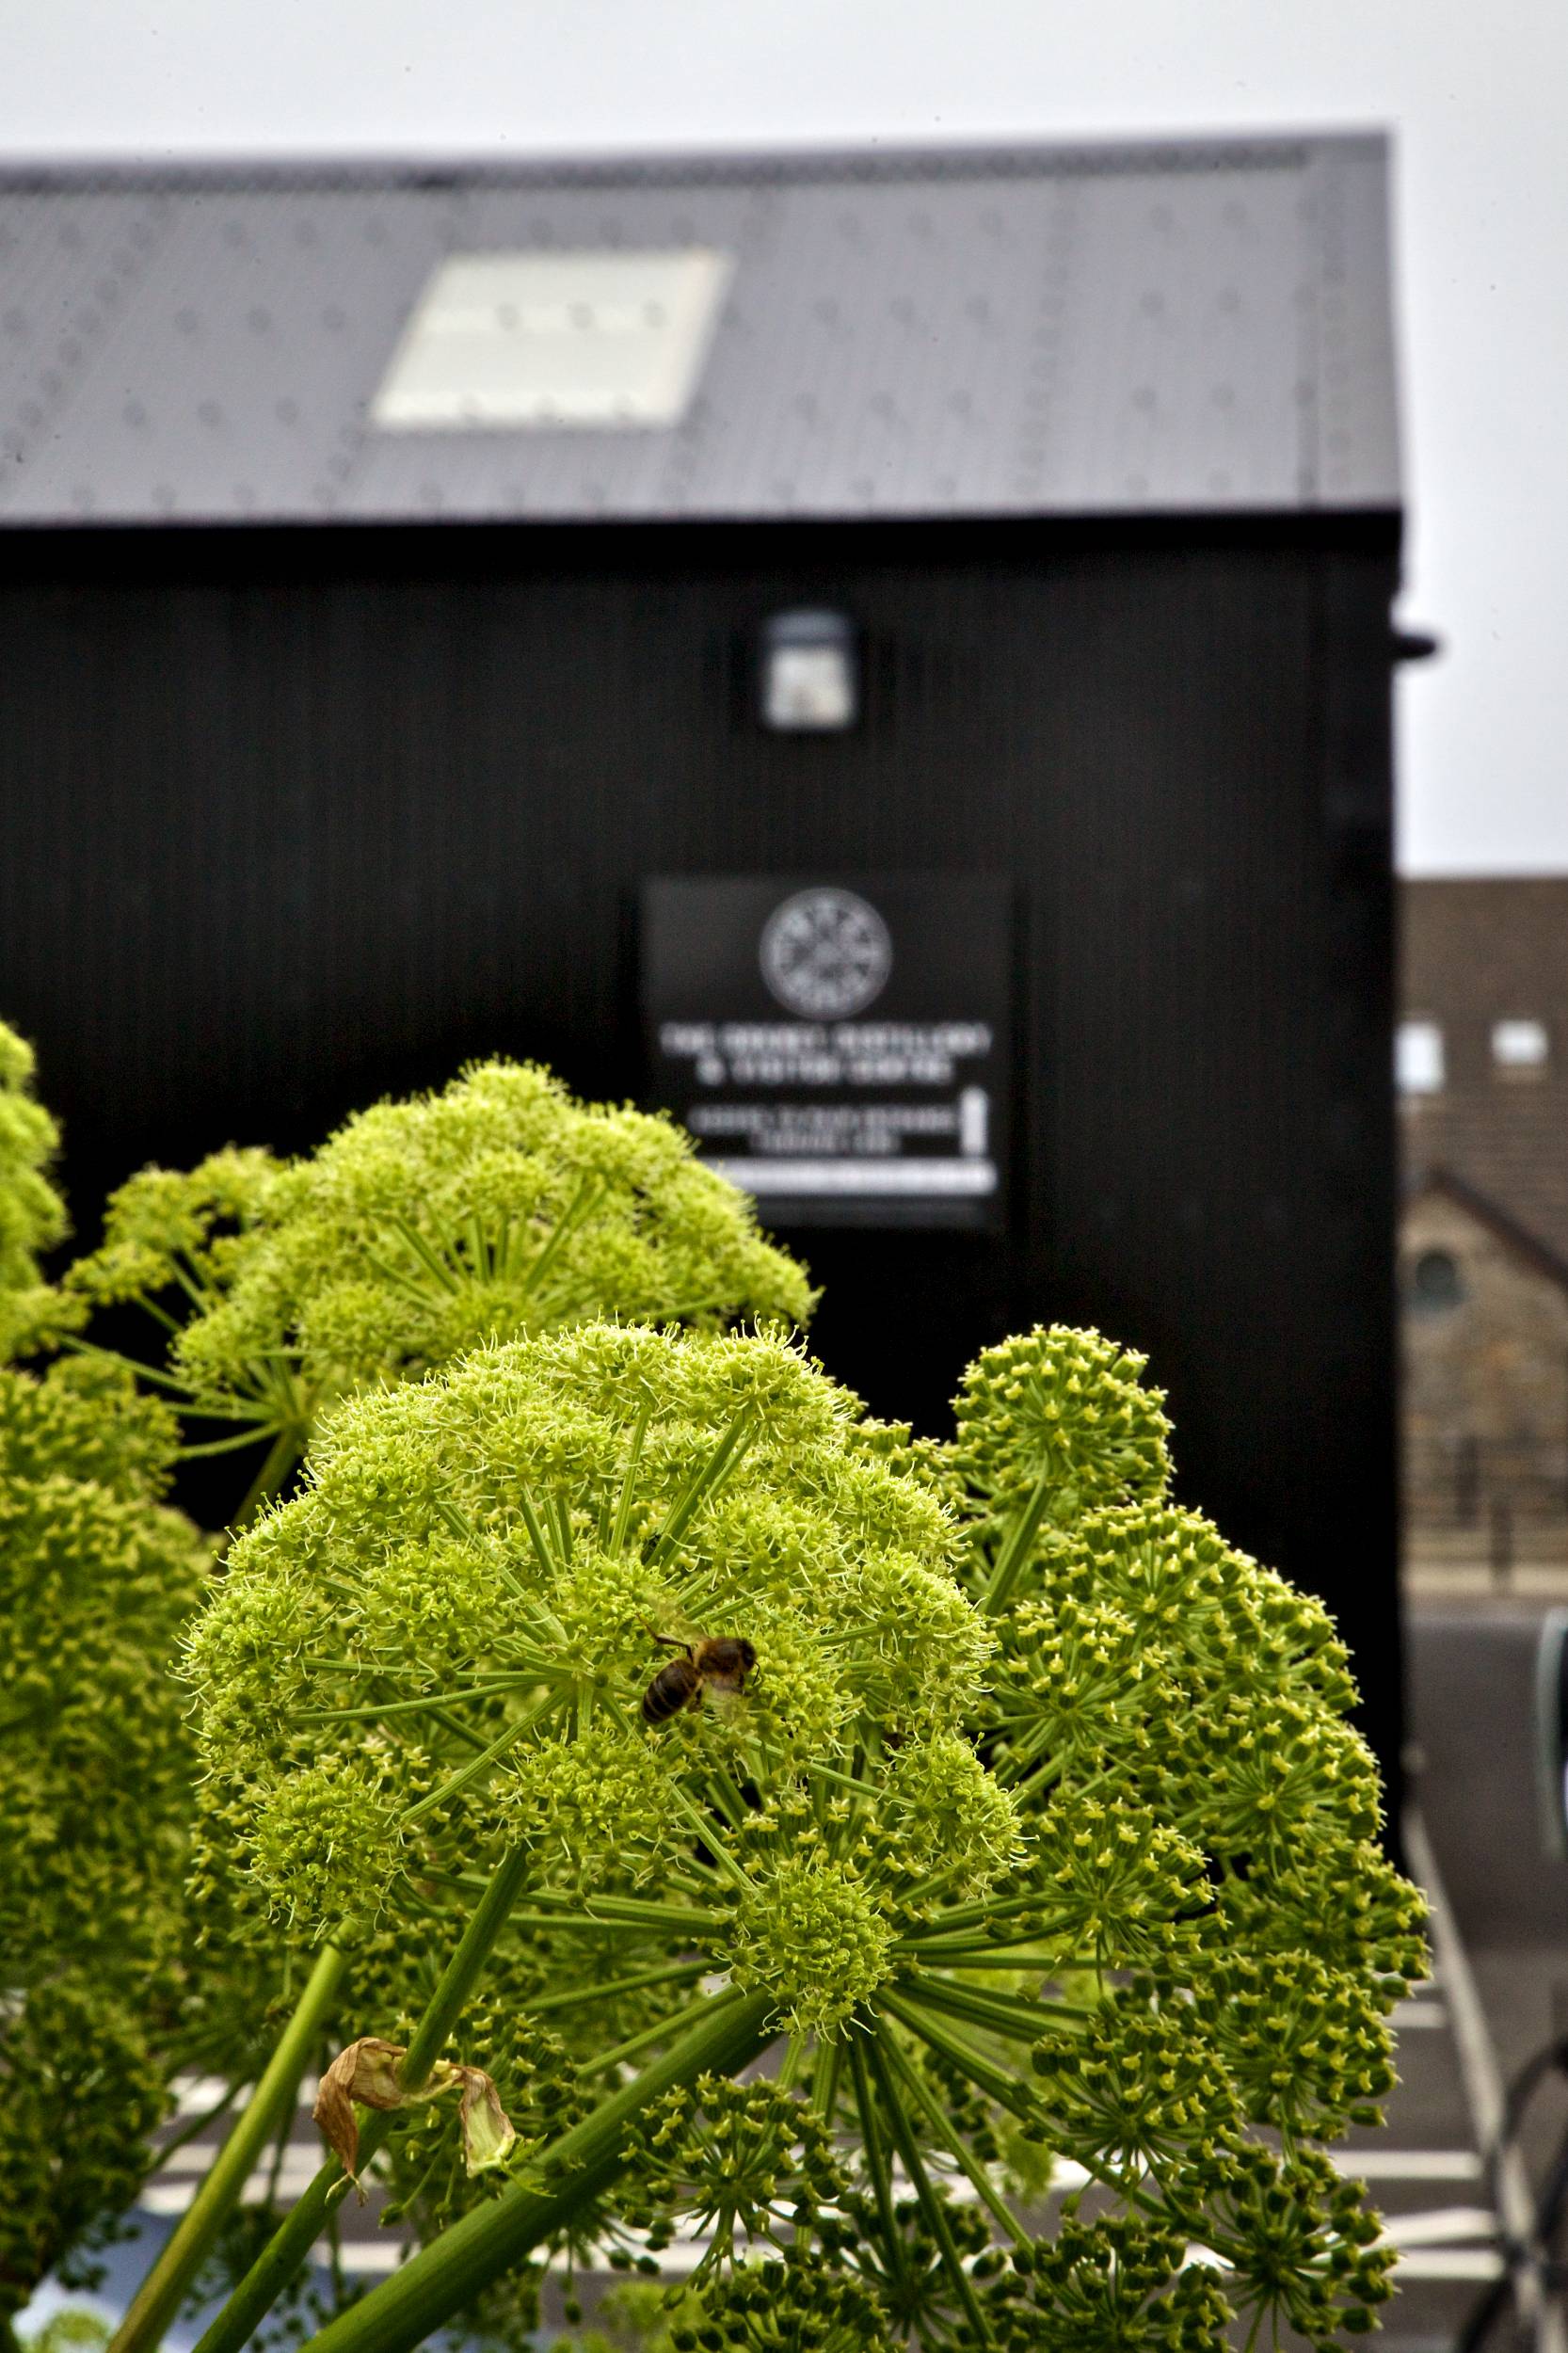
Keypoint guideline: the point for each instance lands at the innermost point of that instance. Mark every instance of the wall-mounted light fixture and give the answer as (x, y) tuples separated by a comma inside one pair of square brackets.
[(810, 672)]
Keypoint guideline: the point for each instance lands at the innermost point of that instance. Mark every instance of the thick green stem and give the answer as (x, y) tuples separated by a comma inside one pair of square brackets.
[(1000, 2014), (876, 2161), (931, 2205), (291, 2244), (1008, 2091), (166, 2286), (1015, 1550), (435, 2285)]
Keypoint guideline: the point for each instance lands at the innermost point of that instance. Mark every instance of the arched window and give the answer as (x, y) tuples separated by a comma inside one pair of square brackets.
[(1434, 1283)]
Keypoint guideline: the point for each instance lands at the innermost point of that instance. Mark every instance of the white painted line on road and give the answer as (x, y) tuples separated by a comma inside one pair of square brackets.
[(1408, 2165), (1407, 2014), (364, 2254), (1483, 2087), (165, 2196), (1449, 2263), (193, 2093), (1439, 2226), (195, 2157)]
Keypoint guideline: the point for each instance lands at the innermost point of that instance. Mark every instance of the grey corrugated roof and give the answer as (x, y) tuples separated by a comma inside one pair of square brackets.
[(1166, 327)]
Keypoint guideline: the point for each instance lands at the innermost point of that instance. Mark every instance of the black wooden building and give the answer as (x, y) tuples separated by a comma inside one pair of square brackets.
[(980, 560)]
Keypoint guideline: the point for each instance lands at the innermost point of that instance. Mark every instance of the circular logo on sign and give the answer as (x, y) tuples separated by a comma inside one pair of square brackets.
[(827, 954)]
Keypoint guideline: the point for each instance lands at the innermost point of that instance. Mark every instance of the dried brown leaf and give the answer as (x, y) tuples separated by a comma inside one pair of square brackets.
[(365, 2074)]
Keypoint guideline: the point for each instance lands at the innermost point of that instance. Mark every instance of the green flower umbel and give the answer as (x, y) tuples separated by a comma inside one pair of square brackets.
[(497, 1207), (445, 1643), (96, 1577), (32, 1216)]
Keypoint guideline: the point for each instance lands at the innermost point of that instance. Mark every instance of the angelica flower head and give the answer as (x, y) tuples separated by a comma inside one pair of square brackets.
[(32, 1216), (96, 1576), (497, 1205), (478, 1568)]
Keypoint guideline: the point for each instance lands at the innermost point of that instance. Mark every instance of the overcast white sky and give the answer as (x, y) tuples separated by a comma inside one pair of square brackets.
[(1477, 96)]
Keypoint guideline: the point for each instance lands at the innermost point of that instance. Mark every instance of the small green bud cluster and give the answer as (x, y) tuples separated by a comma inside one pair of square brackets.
[(1064, 1410), (165, 1224), (1297, 2041), (1119, 2284), (747, 2162), (1306, 2255), (1118, 1886), (792, 2303), (1133, 2088), (812, 1932)]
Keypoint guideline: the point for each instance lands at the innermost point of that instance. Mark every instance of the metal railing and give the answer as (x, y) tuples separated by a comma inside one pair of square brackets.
[(1487, 1502)]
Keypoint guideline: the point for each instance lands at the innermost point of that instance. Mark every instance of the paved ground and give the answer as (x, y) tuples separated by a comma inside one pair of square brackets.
[(1471, 1693)]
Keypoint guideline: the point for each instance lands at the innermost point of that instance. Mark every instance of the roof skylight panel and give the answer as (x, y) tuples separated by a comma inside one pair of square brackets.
[(586, 338)]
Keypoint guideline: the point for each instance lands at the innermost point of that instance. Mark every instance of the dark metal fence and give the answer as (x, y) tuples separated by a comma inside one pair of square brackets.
[(1486, 1500)]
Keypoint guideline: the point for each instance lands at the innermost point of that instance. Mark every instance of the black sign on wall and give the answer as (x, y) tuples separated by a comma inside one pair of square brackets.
[(838, 1045)]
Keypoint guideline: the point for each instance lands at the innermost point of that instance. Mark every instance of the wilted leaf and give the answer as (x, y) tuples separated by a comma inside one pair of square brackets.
[(487, 2134), (366, 2074)]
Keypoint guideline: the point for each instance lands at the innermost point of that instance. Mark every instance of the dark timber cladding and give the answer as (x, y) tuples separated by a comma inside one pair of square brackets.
[(333, 752)]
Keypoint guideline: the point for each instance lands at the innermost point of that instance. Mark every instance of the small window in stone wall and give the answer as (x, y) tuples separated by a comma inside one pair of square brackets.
[(1520, 1049), (1418, 1057), (1436, 1282)]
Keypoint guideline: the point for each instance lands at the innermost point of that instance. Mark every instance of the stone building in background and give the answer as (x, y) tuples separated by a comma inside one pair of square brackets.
[(1483, 1069)]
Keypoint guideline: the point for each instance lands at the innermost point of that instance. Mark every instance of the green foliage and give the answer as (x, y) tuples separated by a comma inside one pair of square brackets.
[(1038, 1821), (422, 1229), (32, 1216), (81, 2089), (794, 2302), (97, 1580)]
